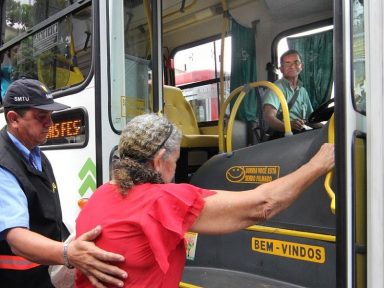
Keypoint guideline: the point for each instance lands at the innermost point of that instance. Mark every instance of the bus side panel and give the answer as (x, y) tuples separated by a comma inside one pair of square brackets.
[(75, 168)]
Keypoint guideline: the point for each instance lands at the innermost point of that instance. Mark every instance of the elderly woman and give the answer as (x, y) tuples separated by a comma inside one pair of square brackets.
[(144, 216)]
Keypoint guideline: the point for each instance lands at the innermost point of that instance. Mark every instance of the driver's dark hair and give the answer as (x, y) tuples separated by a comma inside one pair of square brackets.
[(20, 111), (290, 52)]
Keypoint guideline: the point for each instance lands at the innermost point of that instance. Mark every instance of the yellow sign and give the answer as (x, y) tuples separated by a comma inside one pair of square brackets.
[(131, 106), (289, 249), (252, 174)]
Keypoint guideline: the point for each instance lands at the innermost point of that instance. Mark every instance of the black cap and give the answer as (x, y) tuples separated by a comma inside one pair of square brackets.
[(25, 93)]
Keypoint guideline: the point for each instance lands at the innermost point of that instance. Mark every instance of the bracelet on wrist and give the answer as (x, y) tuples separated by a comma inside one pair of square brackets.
[(65, 254)]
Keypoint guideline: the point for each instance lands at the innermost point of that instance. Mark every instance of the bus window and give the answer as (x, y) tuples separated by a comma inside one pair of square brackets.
[(6, 72), (129, 62), (358, 56), (58, 55), (21, 16), (197, 73)]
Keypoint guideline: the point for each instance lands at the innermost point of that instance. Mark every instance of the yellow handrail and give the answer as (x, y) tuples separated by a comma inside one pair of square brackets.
[(294, 233), (222, 113), (223, 34), (243, 90), (148, 15), (187, 285), (329, 176)]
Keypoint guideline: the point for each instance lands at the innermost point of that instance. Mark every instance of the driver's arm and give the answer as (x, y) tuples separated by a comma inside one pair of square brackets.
[(269, 114)]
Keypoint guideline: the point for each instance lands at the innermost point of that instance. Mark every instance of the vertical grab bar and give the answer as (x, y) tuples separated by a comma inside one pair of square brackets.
[(329, 176)]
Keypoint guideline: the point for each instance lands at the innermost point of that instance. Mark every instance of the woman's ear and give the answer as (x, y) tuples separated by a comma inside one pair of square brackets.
[(158, 160)]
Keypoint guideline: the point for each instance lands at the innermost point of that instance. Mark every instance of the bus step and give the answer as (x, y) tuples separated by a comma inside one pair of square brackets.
[(206, 277)]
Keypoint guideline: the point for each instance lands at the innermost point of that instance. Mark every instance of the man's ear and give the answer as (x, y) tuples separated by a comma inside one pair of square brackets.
[(12, 117), (158, 160)]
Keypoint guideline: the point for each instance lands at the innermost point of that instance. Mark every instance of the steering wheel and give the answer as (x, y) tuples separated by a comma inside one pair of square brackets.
[(323, 112)]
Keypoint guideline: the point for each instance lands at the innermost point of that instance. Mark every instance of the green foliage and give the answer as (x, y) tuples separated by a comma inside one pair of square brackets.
[(18, 15)]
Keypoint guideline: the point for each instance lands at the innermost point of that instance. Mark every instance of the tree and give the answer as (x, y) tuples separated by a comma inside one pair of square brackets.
[(18, 15)]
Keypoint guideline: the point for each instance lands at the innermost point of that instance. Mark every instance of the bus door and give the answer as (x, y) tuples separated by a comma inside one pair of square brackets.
[(359, 139)]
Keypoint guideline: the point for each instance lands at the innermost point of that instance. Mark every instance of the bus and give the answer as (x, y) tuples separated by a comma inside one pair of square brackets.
[(112, 60)]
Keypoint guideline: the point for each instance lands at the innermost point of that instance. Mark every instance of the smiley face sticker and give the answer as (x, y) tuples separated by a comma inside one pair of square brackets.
[(252, 174), (235, 174)]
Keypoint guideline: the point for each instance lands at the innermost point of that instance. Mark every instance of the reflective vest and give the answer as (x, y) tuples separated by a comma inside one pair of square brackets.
[(45, 217), (13, 262)]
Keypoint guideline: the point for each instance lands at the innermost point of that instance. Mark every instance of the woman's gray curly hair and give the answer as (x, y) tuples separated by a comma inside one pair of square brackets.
[(141, 139)]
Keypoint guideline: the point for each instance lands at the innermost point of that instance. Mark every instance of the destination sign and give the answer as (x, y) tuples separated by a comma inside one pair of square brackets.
[(69, 127)]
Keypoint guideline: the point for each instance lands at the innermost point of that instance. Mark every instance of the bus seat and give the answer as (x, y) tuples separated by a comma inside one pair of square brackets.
[(67, 75), (178, 110)]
